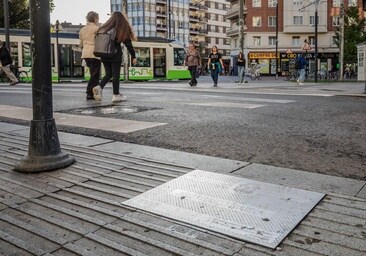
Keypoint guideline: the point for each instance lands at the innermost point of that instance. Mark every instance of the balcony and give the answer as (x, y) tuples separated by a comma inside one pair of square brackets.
[(161, 27), (293, 29), (232, 32), (161, 2), (233, 13)]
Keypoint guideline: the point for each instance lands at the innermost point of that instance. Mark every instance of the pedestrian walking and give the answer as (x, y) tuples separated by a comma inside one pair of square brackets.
[(112, 65), (215, 64), (301, 65), (241, 68), (6, 62), (86, 36), (193, 61)]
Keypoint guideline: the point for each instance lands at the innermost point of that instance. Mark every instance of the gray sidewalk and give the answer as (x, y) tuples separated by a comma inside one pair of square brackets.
[(78, 210)]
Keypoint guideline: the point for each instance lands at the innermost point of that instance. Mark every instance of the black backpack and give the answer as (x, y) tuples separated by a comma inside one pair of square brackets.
[(104, 44)]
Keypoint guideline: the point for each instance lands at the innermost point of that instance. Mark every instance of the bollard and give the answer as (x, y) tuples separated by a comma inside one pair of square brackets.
[(44, 152)]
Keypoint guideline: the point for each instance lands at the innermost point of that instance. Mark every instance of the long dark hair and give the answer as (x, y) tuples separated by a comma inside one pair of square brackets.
[(241, 56), (120, 23)]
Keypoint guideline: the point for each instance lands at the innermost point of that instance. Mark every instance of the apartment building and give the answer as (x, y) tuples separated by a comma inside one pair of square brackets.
[(198, 21), (296, 32)]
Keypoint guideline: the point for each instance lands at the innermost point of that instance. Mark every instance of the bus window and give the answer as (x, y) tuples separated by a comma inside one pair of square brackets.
[(179, 56), (143, 57), (14, 53), (26, 52)]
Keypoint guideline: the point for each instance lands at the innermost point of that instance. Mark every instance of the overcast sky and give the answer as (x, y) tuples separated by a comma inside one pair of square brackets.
[(75, 11)]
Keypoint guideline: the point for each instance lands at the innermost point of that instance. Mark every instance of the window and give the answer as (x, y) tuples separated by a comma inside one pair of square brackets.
[(257, 21), (143, 56), (27, 58), (272, 40), (311, 40), (312, 20), (295, 41), (257, 3), (271, 21), (256, 40), (336, 3), (361, 56), (272, 3), (179, 56), (297, 2), (297, 20), (335, 21), (352, 2), (335, 40)]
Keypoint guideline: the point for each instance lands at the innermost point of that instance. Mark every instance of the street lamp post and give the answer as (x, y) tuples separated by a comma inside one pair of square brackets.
[(316, 41), (316, 3), (6, 23), (57, 29), (241, 29), (277, 40), (44, 152)]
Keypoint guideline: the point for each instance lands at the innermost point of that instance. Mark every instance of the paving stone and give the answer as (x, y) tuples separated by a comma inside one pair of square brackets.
[(300, 179)]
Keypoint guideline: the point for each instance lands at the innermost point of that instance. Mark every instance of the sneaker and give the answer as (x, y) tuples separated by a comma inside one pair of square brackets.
[(14, 83), (298, 81), (97, 92), (89, 97), (301, 84), (215, 85), (118, 98)]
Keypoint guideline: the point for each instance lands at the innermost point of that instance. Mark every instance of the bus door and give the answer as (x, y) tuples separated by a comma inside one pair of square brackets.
[(159, 59), (70, 62)]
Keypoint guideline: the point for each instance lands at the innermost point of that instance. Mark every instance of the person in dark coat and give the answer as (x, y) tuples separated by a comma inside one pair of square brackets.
[(112, 65), (6, 62)]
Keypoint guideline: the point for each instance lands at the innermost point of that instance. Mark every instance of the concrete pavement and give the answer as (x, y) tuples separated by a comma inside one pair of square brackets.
[(78, 210)]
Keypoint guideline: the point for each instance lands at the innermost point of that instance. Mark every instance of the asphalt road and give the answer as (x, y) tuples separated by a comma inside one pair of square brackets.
[(313, 133)]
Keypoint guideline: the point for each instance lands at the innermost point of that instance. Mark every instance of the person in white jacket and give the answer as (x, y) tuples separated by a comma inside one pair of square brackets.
[(86, 35)]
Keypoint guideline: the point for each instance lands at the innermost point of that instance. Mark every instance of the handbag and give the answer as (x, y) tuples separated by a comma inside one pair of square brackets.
[(104, 44)]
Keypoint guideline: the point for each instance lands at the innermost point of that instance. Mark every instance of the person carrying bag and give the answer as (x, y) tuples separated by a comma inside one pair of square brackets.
[(112, 63)]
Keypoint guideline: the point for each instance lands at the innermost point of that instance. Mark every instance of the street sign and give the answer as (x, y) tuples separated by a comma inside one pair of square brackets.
[(306, 46)]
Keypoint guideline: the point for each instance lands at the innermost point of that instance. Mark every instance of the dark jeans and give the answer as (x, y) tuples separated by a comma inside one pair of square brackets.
[(112, 70), (214, 75), (193, 71), (94, 67)]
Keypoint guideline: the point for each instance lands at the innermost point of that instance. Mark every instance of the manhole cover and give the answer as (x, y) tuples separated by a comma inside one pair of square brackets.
[(249, 210), (109, 110)]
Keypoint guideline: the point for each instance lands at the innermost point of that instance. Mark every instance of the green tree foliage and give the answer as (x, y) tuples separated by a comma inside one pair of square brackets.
[(353, 33), (18, 13)]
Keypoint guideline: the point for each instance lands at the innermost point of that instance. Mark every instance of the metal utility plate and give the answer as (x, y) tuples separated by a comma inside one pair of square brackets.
[(256, 212)]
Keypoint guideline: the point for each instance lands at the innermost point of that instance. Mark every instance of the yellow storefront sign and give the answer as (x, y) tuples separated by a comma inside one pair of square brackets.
[(262, 55)]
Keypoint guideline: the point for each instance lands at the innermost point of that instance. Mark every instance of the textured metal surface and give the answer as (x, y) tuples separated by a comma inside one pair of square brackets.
[(253, 211)]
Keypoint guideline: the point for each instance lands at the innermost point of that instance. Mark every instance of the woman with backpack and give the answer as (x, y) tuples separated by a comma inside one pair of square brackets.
[(112, 65)]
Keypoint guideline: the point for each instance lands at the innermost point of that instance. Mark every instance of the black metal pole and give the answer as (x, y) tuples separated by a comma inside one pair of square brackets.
[(316, 44), (44, 152), (57, 28), (169, 19), (276, 40), (6, 24)]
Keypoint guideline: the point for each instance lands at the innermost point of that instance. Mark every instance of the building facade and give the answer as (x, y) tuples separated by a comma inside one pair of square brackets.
[(198, 21), (296, 32)]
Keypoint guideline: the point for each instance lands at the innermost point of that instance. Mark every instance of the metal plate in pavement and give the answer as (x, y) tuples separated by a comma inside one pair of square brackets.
[(256, 212)]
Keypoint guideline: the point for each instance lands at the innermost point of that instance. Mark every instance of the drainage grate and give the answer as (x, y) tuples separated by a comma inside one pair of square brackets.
[(252, 211), (108, 110)]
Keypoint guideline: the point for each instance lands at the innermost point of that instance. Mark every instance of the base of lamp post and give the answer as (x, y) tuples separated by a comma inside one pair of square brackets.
[(44, 152)]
